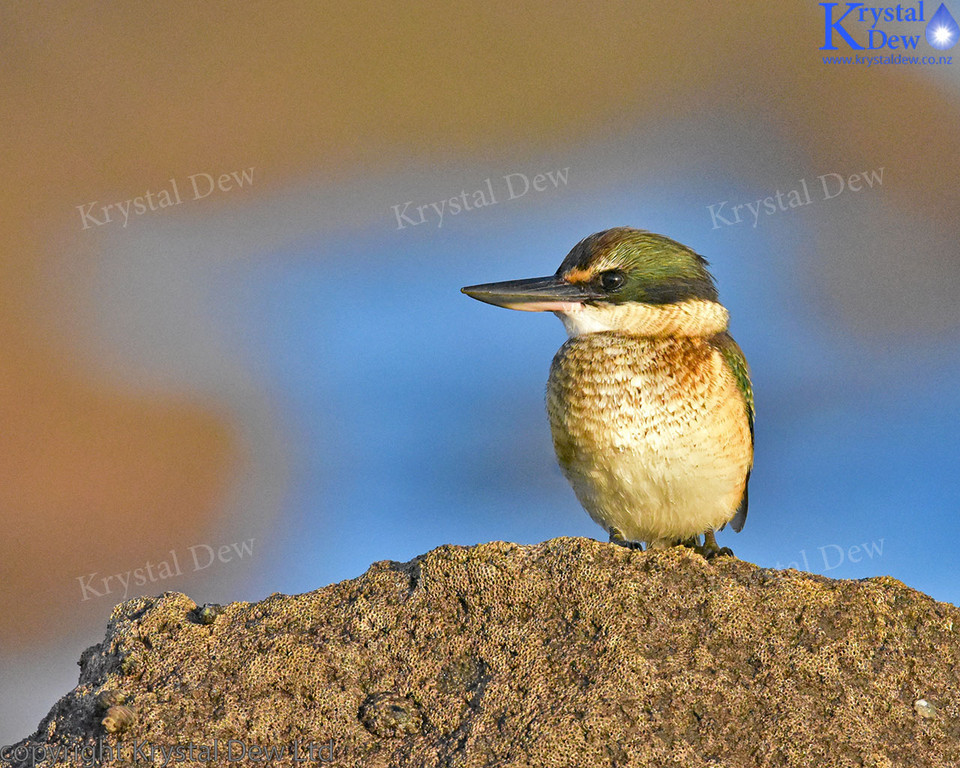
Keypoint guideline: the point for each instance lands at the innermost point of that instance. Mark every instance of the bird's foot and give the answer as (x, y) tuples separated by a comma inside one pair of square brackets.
[(709, 549), (617, 537)]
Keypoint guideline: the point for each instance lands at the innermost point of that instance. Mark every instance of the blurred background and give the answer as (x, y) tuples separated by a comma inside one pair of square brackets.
[(254, 372)]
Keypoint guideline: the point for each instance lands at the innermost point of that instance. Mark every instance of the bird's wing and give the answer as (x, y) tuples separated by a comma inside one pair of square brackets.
[(737, 363)]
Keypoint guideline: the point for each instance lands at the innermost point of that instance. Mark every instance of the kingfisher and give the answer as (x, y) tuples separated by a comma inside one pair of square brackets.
[(649, 399)]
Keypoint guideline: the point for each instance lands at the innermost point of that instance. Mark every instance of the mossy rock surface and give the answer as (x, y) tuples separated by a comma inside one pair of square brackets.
[(568, 653)]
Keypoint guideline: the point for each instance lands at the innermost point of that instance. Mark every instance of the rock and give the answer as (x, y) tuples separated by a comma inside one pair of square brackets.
[(568, 653)]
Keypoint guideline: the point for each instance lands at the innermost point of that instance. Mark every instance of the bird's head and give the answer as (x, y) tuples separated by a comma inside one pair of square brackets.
[(621, 279)]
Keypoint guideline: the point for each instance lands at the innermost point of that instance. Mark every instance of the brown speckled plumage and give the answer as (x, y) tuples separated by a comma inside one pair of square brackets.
[(652, 433)]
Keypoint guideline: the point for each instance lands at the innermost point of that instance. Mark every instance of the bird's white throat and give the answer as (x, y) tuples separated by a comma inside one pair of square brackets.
[(694, 317)]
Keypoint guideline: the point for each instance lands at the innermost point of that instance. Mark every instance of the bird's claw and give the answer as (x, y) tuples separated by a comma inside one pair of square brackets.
[(617, 537), (709, 549)]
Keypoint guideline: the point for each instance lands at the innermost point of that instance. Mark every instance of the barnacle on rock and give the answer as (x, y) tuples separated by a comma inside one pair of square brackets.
[(390, 714), (118, 719), (208, 613)]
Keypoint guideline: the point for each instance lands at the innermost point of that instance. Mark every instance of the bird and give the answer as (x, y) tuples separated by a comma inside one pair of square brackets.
[(649, 400)]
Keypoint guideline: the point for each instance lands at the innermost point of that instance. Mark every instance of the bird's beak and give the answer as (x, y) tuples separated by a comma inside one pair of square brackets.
[(535, 294)]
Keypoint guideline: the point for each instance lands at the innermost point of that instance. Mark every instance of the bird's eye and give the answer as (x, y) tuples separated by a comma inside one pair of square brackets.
[(612, 280)]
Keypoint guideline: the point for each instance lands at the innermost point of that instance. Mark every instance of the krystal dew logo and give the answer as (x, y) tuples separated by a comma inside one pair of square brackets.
[(892, 27)]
